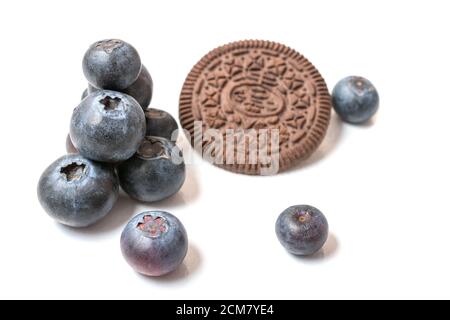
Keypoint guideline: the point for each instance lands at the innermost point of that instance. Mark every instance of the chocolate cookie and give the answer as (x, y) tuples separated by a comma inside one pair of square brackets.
[(255, 107)]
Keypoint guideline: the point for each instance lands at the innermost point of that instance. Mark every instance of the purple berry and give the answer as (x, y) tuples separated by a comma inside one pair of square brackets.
[(302, 229), (154, 243)]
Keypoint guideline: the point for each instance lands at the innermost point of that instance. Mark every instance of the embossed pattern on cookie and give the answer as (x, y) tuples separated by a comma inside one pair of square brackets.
[(260, 87)]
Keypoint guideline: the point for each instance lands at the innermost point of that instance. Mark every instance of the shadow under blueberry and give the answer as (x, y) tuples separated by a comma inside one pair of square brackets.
[(117, 218), (327, 146), (190, 265), (328, 250)]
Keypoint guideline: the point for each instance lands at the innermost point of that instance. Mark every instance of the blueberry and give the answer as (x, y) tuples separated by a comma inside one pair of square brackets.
[(355, 99), (155, 172), (76, 191), (161, 124), (141, 89), (85, 94), (154, 243), (107, 126), (302, 229), (111, 64)]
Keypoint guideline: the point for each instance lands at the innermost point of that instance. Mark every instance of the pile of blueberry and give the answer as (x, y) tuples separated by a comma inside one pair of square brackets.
[(117, 140)]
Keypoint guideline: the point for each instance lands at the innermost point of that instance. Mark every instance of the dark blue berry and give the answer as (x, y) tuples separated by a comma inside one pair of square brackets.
[(141, 89), (302, 229), (355, 99), (107, 126), (155, 172), (161, 124), (111, 64), (76, 191), (154, 243)]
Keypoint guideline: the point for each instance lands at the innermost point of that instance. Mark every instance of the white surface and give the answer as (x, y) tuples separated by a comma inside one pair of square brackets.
[(383, 187)]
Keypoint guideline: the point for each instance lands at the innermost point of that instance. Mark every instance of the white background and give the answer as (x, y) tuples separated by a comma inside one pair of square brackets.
[(384, 186)]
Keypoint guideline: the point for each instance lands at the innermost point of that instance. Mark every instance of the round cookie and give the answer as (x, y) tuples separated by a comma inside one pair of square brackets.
[(255, 107)]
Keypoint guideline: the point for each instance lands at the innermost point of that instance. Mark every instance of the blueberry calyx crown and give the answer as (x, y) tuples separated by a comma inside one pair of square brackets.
[(109, 45), (360, 85), (110, 103), (74, 171), (152, 113), (303, 216), (153, 148), (153, 226)]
